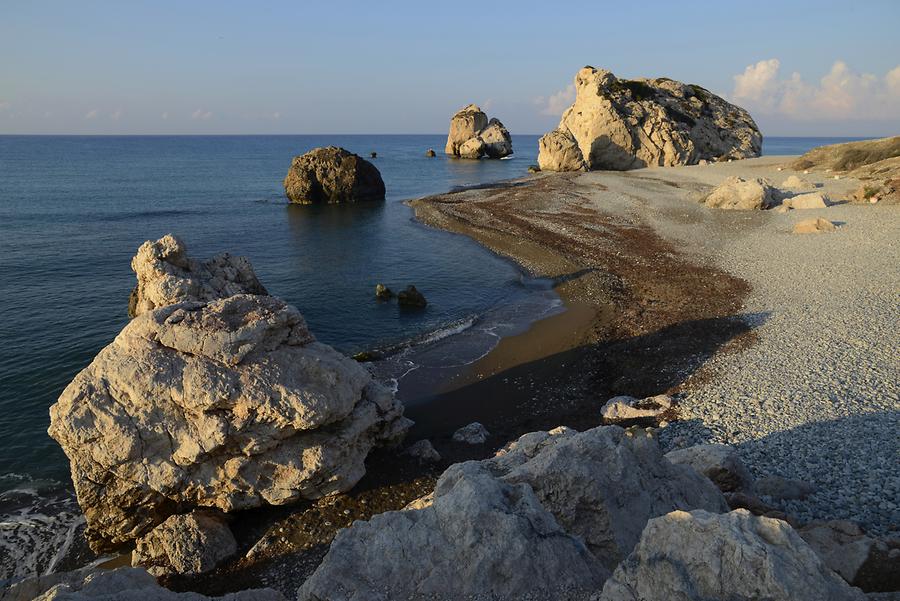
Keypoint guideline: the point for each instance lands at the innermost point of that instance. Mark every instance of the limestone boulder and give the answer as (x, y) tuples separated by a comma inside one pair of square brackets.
[(479, 538), (813, 200), (474, 433), (737, 193), (624, 408), (191, 543), (814, 226), (424, 451), (558, 151), (695, 556), (472, 136), (626, 124), (122, 584), (604, 484), (230, 404), (166, 275), (795, 183), (718, 462), (862, 560), (332, 175)]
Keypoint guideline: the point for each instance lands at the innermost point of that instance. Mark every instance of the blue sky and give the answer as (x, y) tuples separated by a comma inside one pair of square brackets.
[(801, 68)]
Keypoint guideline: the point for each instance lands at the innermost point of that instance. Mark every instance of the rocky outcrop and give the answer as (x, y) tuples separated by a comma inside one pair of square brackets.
[(558, 151), (698, 556), (849, 156), (479, 538), (166, 275), (814, 226), (472, 136), (190, 543), (122, 584), (332, 175), (229, 404), (626, 124), (604, 484), (737, 193), (718, 462)]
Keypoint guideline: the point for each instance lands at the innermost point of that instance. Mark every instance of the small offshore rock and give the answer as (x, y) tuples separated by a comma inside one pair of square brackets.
[(332, 175), (621, 408), (534, 169), (472, 136), (382, 292), (720, 463), (366, 356), (191, 543), (814, 226), (373, 155), (698, 555), (783, 488), (737, 193), (474, 433), (411, 297), (424, 451), (430, 153)]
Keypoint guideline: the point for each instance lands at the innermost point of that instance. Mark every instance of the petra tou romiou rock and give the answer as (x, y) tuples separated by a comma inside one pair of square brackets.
[(228, 403), (623, 124), (472, 136), (166, 275), (332, 175), (699, 555), (548, 517), (121, 584)]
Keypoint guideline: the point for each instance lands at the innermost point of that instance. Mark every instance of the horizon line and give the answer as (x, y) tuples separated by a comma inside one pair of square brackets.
[(199, 135)]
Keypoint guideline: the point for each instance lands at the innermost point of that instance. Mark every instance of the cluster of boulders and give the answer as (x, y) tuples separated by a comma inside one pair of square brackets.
[(620, 124), (215, 401), (600, 514), (472, 136), (332, 175)]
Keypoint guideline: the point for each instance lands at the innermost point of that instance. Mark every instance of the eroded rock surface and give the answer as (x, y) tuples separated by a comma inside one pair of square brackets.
[(229, 403), (698, 556), (623, 408), (626, 124), (479, 538), (472, 136), (814, 226), (332, 175), (737, 193), (190, 543), (718, 462), (166, 275), (558, 151)]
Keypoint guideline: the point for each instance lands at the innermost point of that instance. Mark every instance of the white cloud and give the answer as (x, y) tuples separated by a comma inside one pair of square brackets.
[(840, 94), (92, 114), (116, 115), (165, 115), (201, 115), (556, 103)]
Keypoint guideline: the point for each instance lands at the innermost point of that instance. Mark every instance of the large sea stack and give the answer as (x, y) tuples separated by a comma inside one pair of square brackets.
[(472, 136), (226, 403), (332, 175), (623, 124)]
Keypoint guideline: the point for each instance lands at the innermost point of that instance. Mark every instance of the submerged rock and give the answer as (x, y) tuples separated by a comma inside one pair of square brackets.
[(190, 543), (479, 537), (382, 292), (166, 275), (332, 175), (228, 403), (737, 193), (472, 136), (626, 124), (558, 151), (698, 556)]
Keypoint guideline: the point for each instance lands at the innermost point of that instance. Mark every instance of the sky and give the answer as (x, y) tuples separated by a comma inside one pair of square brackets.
[(301, 67)]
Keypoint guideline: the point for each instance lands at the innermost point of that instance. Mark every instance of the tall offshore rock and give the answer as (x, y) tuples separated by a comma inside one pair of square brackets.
[(472, 136), (226, 403), (621, 124)]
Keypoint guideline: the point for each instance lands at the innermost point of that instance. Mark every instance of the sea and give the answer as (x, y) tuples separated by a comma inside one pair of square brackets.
[(73, 210)]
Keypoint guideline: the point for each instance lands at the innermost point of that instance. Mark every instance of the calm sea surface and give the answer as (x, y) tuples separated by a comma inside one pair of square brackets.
[(73, 210)]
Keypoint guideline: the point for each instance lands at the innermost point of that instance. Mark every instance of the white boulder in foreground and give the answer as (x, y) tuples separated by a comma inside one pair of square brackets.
[(737, 193), (122, 584), (627, 124), (472, 136), (812, 200), (229, 403), (558, 151), (166, 275), (190, 543), (699, 556)]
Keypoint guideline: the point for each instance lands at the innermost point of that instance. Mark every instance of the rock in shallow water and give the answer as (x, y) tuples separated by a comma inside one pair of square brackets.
[(472, 136), (229, 404), (699, 555), (332, 175)]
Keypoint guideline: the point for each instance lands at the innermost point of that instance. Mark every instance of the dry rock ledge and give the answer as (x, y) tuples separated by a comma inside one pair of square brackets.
[(332, 175), (225, 403), (472, 136), (623, 124)]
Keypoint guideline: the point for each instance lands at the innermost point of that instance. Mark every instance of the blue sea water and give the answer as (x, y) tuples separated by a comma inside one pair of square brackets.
[(73, 210)]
